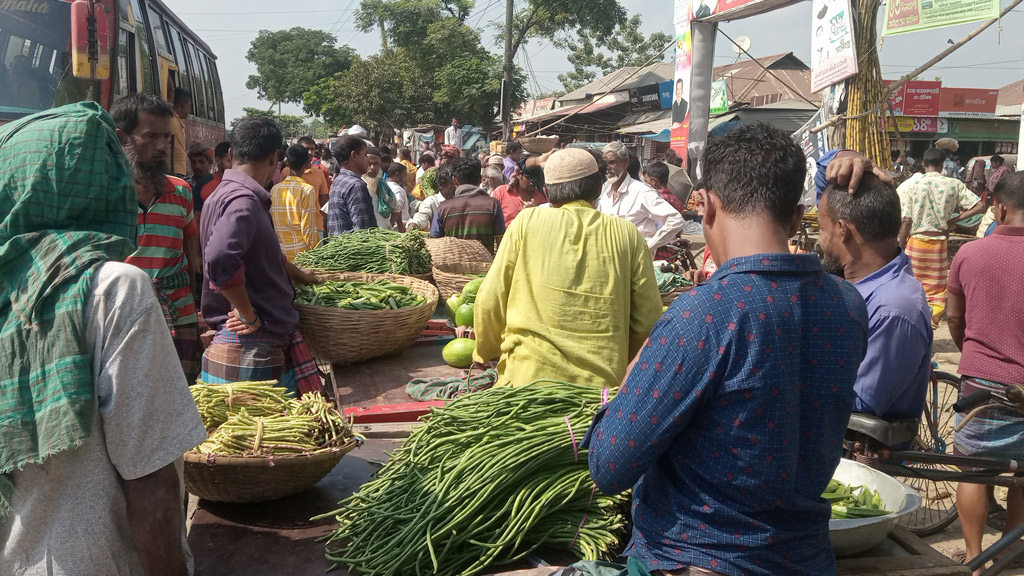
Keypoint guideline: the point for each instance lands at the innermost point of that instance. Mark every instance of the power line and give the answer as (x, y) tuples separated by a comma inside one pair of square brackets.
[(274, 12)]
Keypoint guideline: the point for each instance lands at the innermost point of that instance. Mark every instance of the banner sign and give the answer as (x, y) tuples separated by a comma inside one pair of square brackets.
[(645, 97), (833, 52), (903, 16), (1020, 145), (813, 145), (922, 125), (665, 94), (968, 102), (719, 97), (680, 127), (917, 98)]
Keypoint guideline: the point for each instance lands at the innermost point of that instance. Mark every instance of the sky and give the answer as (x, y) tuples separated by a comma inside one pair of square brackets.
[(992, 60)]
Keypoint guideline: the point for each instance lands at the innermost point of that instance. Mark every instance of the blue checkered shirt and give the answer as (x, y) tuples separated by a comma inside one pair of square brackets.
[(350, 206), (731, 422)]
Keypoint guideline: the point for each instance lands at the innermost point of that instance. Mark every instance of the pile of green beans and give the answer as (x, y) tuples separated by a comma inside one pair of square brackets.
[(374, 251), (379, 295), (217, 402), (486, 480), (262, 419)]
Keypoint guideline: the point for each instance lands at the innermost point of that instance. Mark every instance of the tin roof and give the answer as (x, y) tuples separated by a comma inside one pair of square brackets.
[(749, 82), (1010, 95)]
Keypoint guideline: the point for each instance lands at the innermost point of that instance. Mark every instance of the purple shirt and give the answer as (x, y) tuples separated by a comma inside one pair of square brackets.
[(893, 378), (510, 168), (731, 422), (239, 244), (350, 207)]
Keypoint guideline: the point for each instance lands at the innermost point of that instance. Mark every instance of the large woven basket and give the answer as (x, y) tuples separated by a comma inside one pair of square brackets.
[(449, 250), (539, 144), (667, 298), (347, 336), (258, 478), (452, 277)]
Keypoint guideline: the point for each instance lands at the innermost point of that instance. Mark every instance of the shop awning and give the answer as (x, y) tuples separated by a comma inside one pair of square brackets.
[(655, 126), (580, 109)]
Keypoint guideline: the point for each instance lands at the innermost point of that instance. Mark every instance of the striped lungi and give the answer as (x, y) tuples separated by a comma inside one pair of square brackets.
[(929, 259), (186, 343), (259, 357), (996, 432)]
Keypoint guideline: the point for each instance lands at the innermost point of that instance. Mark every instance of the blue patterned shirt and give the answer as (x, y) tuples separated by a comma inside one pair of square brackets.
[(350, 207), (731, 422)]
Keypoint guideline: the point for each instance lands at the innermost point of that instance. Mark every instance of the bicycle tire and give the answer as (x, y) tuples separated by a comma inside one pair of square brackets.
[(938, 506)]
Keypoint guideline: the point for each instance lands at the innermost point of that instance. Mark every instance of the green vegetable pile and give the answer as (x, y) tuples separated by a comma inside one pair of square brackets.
[(261, 419), (853, 502), (374, 251), (379, 295), (485, 480), (668, 281)]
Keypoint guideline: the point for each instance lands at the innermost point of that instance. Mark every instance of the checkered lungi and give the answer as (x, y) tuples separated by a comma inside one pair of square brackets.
[(258, 357)]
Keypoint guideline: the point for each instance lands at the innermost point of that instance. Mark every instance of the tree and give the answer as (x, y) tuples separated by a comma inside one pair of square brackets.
[(627, 46), (562, 20), (321, 100), (289, 62), (386, 91), (291, 126)]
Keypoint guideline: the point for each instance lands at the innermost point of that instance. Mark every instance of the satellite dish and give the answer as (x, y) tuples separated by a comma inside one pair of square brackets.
[(741, 44)]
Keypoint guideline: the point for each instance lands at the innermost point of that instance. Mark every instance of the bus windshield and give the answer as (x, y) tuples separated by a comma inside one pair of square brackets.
[(35, 53)]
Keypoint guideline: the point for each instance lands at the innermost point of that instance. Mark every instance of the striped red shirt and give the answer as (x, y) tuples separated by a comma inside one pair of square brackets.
[(163, 229)]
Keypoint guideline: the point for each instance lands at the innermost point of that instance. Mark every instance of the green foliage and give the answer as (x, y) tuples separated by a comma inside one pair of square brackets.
[(626, 46), (321, 100), (288, 62), (563, 20), (386, 91), (291, 126)]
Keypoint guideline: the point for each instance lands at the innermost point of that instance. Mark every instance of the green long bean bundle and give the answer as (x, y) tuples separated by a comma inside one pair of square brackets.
[(486, 480), (379, 295), (374, 251)]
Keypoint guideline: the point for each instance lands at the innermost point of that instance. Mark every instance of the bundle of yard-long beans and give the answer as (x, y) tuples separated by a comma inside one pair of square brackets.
[(867, 104), (374, 251), (217, 402), (379, 295), (486, 480), (260, 418)]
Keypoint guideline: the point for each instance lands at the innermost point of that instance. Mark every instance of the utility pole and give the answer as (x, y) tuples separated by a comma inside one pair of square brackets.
[(506, 81)]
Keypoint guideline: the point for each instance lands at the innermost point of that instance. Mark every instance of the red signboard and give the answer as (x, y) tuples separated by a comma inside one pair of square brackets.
[(916, 98), (967, 102)]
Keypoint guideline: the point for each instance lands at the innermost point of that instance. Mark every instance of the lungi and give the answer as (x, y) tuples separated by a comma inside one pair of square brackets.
[(996, 432), (259, 357), (929, 259), (186, 343)]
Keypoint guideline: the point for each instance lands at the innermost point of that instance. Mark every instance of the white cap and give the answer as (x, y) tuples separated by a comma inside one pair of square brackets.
[(357, 131)]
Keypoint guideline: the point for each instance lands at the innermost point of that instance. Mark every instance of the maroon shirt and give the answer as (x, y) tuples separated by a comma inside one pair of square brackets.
[(239, 244), (668, 196), (988, 272)]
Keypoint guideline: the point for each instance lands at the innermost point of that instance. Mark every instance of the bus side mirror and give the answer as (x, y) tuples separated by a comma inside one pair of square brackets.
[(90, 40)]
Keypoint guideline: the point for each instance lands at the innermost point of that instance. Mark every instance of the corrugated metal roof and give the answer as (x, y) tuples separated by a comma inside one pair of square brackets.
[(1010, 95), (748, 82), (657, 72)]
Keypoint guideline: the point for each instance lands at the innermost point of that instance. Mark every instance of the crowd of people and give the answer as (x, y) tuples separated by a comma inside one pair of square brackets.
[(731, 407)]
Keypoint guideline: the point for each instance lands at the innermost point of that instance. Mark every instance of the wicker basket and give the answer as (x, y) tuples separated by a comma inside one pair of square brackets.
[(539, 144), (347, 336), (258, 478), (452, 277), (449, 250)]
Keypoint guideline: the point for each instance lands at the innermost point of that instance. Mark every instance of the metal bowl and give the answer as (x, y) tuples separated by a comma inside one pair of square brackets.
[(854, 536)]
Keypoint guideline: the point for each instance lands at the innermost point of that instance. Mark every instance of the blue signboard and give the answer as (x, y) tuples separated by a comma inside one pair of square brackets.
[(665, 92)]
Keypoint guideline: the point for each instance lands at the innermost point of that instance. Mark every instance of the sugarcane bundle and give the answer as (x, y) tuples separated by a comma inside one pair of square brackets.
[(867, 109)]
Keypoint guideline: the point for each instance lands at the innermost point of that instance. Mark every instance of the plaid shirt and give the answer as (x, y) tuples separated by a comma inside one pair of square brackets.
[(293, 207), (350, 207), (731, 422)]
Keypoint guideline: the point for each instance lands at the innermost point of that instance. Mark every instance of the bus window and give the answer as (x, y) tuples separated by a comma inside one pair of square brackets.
[(127, 73), (211, 100), (219, 94), (159, 33), (145, 49), (179, 58), (35, 61), (199, 87)]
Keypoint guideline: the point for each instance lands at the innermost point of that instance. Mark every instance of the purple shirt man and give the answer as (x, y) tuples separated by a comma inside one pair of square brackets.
[(509, 169), (350, 207), (893, 378), (239, 243)]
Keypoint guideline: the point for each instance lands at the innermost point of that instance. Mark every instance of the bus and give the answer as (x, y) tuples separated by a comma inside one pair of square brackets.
[(150, 50)]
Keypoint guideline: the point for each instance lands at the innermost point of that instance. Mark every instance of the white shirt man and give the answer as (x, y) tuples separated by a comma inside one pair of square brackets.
[(453, 135), (657, 220)]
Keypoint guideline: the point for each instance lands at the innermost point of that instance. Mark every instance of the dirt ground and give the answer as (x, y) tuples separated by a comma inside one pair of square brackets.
[(946, 354)]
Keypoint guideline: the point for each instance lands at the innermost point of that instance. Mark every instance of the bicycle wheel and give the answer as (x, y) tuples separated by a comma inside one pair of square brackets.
[(934, 434)]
